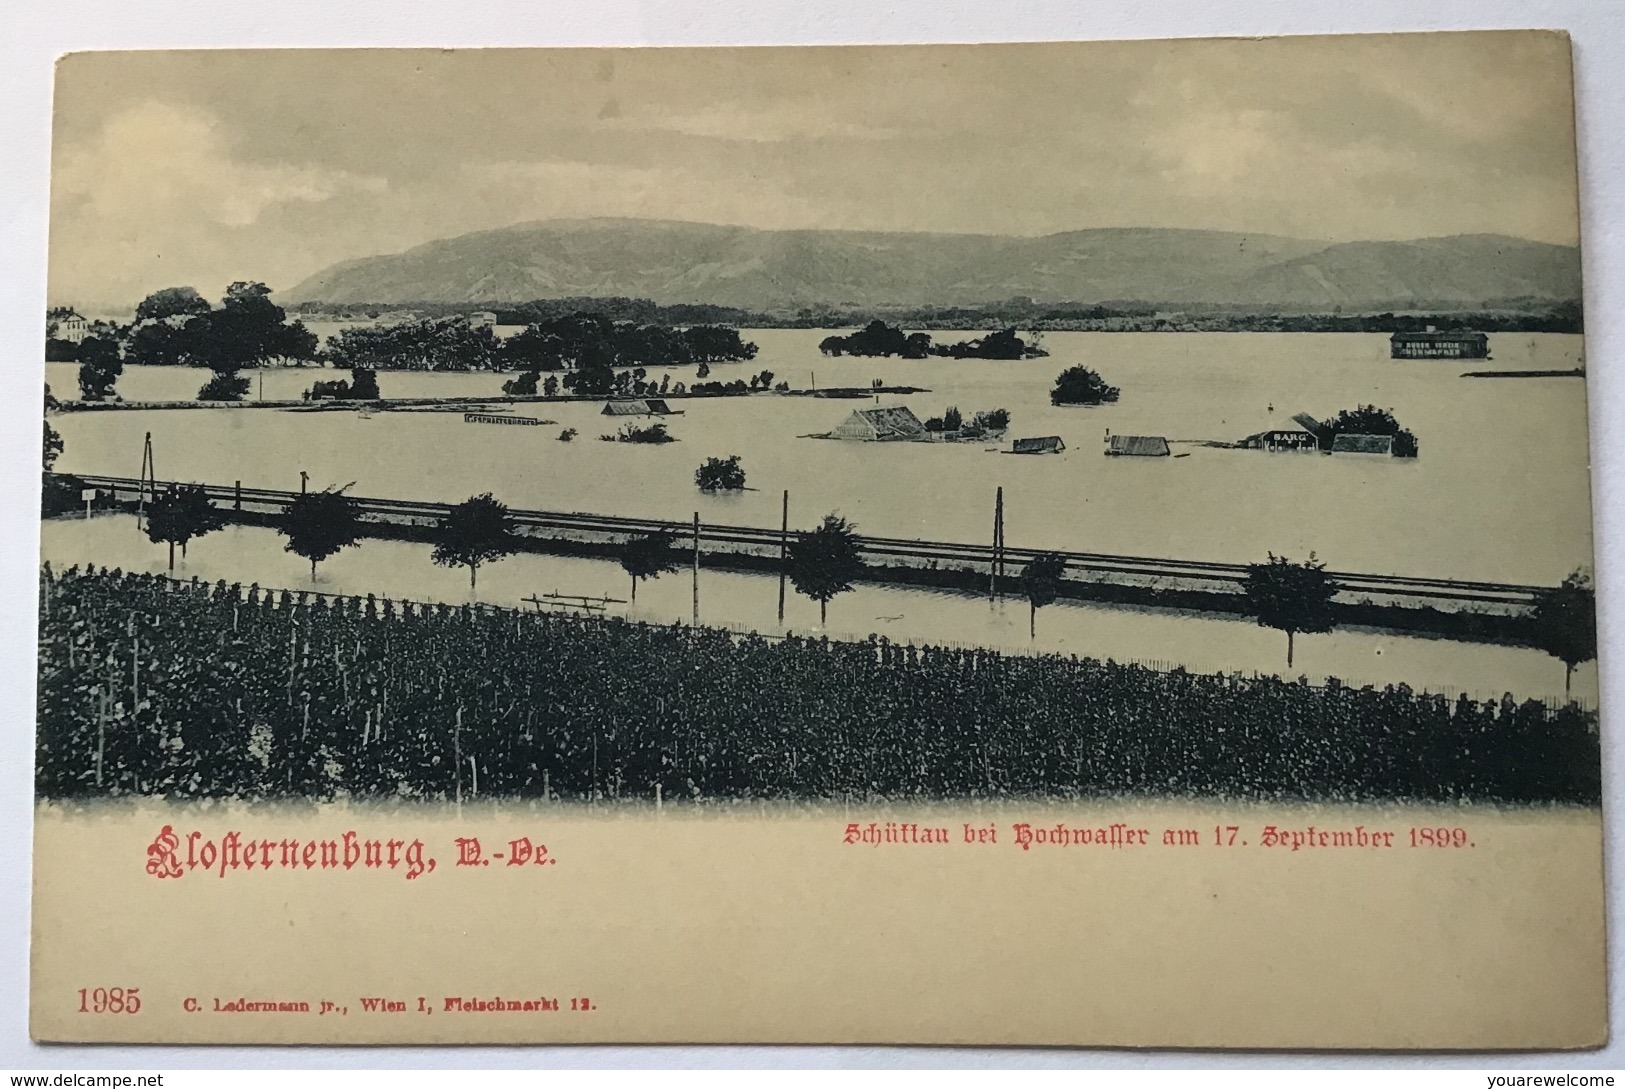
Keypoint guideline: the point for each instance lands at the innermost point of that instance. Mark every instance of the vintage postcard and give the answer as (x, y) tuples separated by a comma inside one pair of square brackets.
[(1072, 544)]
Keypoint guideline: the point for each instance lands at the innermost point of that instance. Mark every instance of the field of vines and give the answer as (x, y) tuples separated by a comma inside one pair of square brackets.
[(156, 687)]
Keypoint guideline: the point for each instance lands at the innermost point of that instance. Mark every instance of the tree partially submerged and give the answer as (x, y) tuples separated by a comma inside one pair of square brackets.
[(1041, 584), (53, 439), (648, 556), (319, 524), (523, 386), (476, 531), (179, 515), (878, 339), (1565, 624), (100, 364), (1081, 386), (248, 330), (1004, 344), (1290, 597), (720, 474), (654, 434), (224, 387), (825, 562), (363, 386)]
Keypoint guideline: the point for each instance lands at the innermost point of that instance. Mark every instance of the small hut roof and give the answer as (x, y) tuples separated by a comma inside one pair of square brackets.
[(1307, 423), (1042, 444), (892, 421), (1146, 446), (1363, 444), (626, 408)]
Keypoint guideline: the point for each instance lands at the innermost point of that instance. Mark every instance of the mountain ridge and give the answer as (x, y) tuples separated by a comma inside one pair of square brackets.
[(680, 262)]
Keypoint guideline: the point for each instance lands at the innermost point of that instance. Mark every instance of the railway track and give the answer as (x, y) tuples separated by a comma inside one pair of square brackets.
[(1099, 565)]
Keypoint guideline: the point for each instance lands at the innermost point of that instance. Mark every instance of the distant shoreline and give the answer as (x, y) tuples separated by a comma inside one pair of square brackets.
[(1561, 323), (1572, 372)]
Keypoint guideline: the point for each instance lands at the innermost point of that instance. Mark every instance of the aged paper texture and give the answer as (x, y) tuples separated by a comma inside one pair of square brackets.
[(1080, 544)]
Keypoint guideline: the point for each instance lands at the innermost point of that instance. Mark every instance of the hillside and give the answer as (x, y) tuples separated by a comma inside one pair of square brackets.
[(672, 262)]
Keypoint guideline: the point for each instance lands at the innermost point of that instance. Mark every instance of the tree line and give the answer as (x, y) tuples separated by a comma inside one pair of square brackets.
[(577, 342), (880, 339), (176, 326), (1295, 598)]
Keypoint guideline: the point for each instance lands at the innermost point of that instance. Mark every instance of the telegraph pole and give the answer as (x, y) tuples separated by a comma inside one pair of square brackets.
[(784, 551), (149, 474), (996, 568), (696, 569)]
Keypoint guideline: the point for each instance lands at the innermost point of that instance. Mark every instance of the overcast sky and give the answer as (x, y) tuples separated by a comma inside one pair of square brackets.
[(206, 167)]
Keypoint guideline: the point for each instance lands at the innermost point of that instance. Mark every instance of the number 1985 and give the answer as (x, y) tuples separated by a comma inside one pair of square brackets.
[(109, 999)]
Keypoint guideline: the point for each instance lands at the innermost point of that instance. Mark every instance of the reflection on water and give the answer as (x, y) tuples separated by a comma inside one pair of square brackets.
[(1500, 492), (1199, 642)]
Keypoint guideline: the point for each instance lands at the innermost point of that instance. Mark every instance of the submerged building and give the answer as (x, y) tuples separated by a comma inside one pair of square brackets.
[(1432, 344), (1304, 433), (881, 425), (1044, 444), (1136, 446), (647, 406), (1363, 444)]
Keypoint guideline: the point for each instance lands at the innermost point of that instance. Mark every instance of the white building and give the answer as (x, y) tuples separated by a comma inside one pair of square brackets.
[(69, 325)]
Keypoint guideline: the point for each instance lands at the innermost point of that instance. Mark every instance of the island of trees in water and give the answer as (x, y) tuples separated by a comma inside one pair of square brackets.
[(178, 327), (879, 339), (578, 341)]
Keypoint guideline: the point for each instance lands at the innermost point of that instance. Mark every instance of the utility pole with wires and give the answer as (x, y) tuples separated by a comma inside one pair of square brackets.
[(149, 480), (997, 566), (784, 551)]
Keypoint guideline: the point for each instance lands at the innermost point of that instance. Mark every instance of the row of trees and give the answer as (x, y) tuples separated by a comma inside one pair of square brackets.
[(576, 342), (879, 339), (320, 524), (177, 326), (480, 530), (605, 381), (982, 423), (1295, 598)]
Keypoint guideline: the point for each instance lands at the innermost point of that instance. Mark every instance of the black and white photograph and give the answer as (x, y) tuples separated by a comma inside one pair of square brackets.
[(1098, 470)]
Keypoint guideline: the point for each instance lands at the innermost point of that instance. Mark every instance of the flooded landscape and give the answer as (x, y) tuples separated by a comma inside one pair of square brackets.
[(1091, 542), (1490, 498), (1493, 495)]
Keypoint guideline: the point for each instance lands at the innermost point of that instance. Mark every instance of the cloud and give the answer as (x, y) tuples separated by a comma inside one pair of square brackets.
[(156, 179), (153, 161), (757, 123)]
